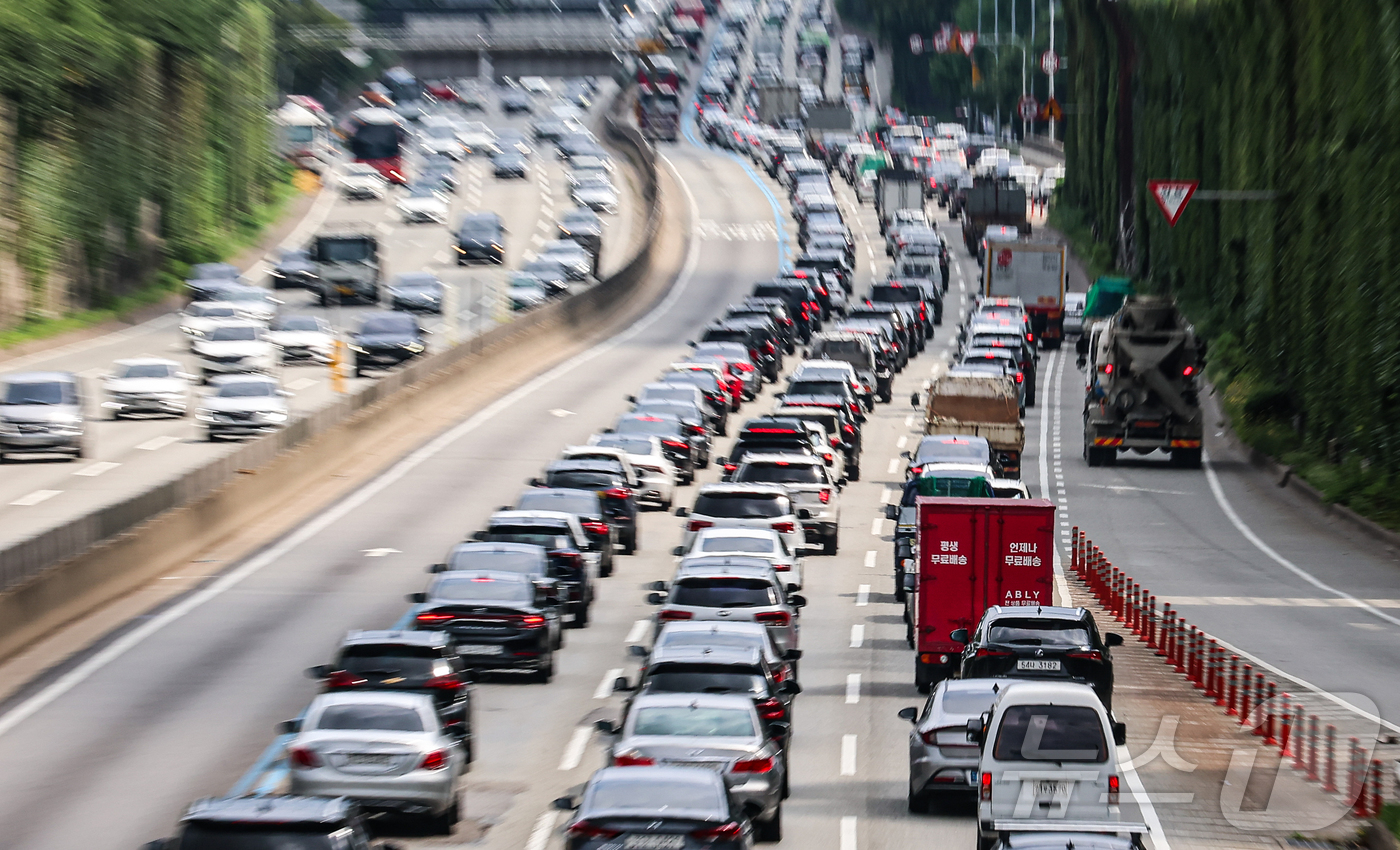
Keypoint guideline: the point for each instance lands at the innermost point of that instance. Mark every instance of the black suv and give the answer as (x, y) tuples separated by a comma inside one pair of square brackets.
[(255, 823), (563, 541), (1040, 642), (752, 338), (387, 339), (801, 301), (921, 293), (609, 480), (587, 506), (421, 662), (768, 434), (481, 236)]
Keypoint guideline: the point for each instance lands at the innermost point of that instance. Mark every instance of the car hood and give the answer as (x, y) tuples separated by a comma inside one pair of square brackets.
[(253, 404), (39, 412), (296, 266), (383, 340), (422, 204), (410, 294), (228, 348), (311, 338), (146, 385)]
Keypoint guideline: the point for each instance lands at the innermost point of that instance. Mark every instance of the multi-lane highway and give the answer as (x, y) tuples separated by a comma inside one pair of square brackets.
[(127, 456)]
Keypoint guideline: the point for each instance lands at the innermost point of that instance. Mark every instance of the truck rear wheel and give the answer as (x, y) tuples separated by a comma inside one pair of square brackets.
[(1186, 458)]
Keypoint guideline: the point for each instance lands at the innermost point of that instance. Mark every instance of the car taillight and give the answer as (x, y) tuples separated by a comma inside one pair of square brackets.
[(631, 760), (834, 442), (345, 679), (1020, 377), (787, 322), (783, 673), (1108, 368), (532, 621), (729, 832), (986, 786), (730, 467), (1091, 655), (585, 829), (770, 709), (854, 408), (825, 496), (744, 367), (445, 683), (302, 758), (752, 766), (770, 348), (695, 429), (619, 492), (1113, 789), (1188, 371), (990, 653), (849, 429), (593, 526), (1030, 337), (676, 444), (784, 527), (775, 618), (697, 524), (669, 615), (430, 618), (436, 760), (828, 457)]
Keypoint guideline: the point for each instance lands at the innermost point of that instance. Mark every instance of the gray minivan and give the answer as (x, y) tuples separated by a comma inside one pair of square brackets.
[(41, 412)]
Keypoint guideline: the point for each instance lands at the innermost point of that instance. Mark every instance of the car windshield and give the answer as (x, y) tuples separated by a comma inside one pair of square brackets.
[(389, 325), (232, 294), (259, 836), (505, 561), (724, 592), (894, 294), (651, 795), (146, 370), (742, 505), (738, 543), (580, 503), (817, 388), (390, 659), (482, 589), (581, 480), (633, 447), (1038, 632), (422, 190), (41, 392), (704, 679), (973, 487), (654, 425), (1051, 733), (780, 472), (711, 637), (297, 323), (385, 718), (952, 451), (693, 721), (234, 333), (210, 310), (417, 283), (246, 389)]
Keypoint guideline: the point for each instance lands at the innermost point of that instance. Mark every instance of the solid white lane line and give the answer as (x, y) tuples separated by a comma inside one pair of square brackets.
[(870, 559), (862, 595), (857, 636), (848, 833), (848, 754), (853, 689), (605, 687), (544, 827), (573, 752), (637, 632), (35, 498), (894, 465), (875, 526), (156, 443), (302, 383), (96, 469)]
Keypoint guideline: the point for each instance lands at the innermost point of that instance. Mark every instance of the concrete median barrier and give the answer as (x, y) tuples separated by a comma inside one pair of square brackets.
[(60, 574)]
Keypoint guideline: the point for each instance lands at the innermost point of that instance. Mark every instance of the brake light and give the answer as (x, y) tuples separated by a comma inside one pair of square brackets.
[(668, 616), (1108, 368), (618, 493), (697, 524), (302, 758), (532, 621), (753, 765), (432, 618), (991, 653), (835, 442), (436, 760), (827, 457), (784, 527), (584, 829), (729, 832), (1091, 655), (445, 683), (825, 496), (855, 408), (730, 467), (1113, 789), (695, 429), (775, 618), (1030, 337), (986, 786), (1020, 377), (631, 760), (345, 679), (768, 709), (676, 444), (593, 526), (1188, 371), (768, 346), (744, 367)]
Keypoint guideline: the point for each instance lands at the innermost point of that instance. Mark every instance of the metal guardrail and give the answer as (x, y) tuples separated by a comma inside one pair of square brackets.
[(467, 38)]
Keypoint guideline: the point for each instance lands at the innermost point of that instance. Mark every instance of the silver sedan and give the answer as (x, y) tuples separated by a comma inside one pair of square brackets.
[(941, 759), (388, 751)]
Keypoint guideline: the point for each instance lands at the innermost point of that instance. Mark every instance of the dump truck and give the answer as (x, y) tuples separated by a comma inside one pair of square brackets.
[(347, 267), (992, 201), (1035, 273), (897, 189), (1141, 391), (977, 406), (973, 553)]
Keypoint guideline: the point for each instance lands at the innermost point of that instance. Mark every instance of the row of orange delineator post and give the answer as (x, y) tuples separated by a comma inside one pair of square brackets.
[(1237, 688)]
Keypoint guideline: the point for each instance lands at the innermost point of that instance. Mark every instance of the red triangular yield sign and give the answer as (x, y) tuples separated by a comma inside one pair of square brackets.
[(1172, 195)]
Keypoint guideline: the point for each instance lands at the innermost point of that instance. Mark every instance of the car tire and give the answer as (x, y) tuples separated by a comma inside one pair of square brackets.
[(82, 450), (918, 802), (829, 545), (630, 547), (770, 830), (209, 435), (581, 617), (545, 672), (443, 824), (4, 458), (1186, 458)]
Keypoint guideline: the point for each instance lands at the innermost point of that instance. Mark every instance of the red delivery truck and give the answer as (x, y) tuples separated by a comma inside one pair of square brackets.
[(972, 554)]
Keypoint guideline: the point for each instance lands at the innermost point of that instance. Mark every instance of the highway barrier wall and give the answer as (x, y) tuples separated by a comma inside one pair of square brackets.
[(60, 573)]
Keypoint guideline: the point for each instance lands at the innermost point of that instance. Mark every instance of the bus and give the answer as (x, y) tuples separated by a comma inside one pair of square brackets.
[(376, 137), (303, 134)]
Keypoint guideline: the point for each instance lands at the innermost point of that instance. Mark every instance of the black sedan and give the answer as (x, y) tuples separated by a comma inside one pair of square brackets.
[(498, 621), (510, 164), (292, 268), (387, 339), (684, 808), (608, 479)]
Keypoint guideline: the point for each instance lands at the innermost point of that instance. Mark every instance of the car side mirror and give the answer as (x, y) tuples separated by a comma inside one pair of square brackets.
[(631, 398), (974, 730), (803, 513), (751, 809), (685, 511), (790, 687), (906, 455), (533, 482), (1112, 639), (840, 483), (792, 655), (656, 585), (479, 535), (721, 461), (437, 568), (637, 651), (607, 727), (792, 587), (621, 684), (911, 714), (1120, 733), (891, 511), (678, 551), (158, 844), (418, 597), (564, 804), (958, 636), (910, 583), (289, 727), (797, 600), (691, 343), (320, 671), (656, 599), (778, 730)]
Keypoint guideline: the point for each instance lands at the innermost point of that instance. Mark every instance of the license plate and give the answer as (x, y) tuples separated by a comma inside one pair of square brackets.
[(1037, 664), (479, 649), (716, 766), (376, 759), (1050, 788), (654, 842)]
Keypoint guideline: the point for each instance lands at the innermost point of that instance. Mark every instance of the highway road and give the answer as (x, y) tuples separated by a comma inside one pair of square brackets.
[(127, 456)]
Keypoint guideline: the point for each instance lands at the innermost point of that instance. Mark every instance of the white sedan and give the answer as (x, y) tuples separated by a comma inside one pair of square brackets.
[(657, 471), (754, 542)]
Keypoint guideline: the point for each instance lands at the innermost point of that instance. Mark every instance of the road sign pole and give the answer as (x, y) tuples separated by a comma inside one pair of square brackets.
[(1052, 76)]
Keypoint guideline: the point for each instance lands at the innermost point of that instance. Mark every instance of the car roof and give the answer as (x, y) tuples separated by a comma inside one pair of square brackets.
[(743, 489), (698, 701), (571, 465), (660, 773), (722, 561), (407, 699), (530, 518), (144, 361), (933, 470), (754, 567), (692, 653), (1044, 612), (274, 809), (1035, 692), (360, 637), (784, 457), (38, 377), (496, 548), (562, 493), (219, 380)]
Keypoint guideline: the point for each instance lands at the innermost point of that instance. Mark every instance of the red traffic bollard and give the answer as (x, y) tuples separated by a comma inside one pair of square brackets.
[(1245, 681), (1268, 725), (1312, 748), (1232, 701), (1329, 775), (1152, 622)]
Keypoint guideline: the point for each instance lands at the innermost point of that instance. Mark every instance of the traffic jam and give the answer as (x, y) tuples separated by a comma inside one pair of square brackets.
[(749, 442)]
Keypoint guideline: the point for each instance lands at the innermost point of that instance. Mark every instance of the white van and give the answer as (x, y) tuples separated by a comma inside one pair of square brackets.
[(1048, 753)]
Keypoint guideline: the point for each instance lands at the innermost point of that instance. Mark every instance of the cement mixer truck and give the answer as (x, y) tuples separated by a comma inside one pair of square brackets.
[(1141, 391)]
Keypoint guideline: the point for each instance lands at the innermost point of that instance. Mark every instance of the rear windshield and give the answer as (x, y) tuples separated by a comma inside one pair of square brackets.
[(724, 593), (1051, 733), (503, 561), (258, 836), (483, 590), (842, 349), (387, 718), (736, 543), (693, 722), (817, 388), (579, 481), (704, 679), (742, 505), (950, 451), (390, 659), (584, 504), (780, 473), (894, 294), (651, 795), (1037, 632), (958, 488), (41, 392), (534, 535), (649, 425)]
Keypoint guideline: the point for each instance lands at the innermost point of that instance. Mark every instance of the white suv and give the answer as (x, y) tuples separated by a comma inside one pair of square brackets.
[(744, 506)]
